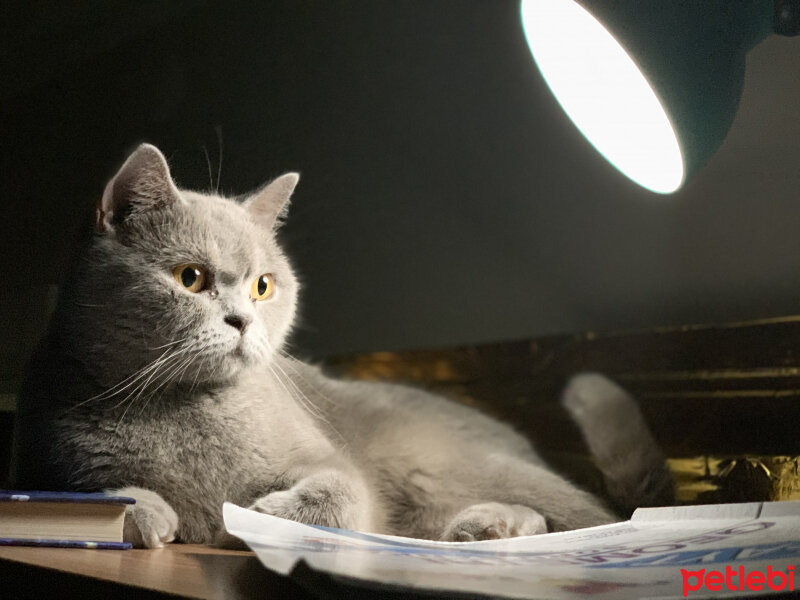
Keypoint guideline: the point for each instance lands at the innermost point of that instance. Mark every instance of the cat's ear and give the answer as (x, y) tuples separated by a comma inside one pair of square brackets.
[(270, 204), (142, 183)]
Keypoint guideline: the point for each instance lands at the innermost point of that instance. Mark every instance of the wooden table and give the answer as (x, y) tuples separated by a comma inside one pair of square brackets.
[(184, 570)]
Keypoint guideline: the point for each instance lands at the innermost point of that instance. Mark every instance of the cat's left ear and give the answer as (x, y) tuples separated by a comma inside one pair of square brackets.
[(270, 205)]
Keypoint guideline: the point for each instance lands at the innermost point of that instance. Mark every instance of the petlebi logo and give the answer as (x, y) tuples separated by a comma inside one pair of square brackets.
[(738, 580)]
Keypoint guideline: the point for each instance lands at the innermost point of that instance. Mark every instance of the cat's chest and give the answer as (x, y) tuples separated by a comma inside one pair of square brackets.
[(222, 431)]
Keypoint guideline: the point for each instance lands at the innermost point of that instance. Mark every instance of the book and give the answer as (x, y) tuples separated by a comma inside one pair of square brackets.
[(730, 550), (62, 519)]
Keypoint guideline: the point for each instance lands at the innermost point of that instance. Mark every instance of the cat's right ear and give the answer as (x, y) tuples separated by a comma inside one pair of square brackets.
[(142, 183)]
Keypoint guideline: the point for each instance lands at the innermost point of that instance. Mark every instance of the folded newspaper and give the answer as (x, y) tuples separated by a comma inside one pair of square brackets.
[(732, 550)]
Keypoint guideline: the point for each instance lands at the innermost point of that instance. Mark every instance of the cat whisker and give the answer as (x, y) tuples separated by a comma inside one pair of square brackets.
[(208, 162), (299, 375), (130, 380), (302, 399), (218, 129), (302, 395), (139, 389), (185, 368), (299, 400), (214, 371), (131, 399), (199, 369), (169, 344), (168, 374), (167, 363), (164, 384)]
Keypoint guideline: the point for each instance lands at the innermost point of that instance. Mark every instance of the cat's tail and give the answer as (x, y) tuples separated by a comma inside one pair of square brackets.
[(624, 449)]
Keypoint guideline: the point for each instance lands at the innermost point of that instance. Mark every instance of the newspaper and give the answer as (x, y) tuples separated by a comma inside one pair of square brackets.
[(732, 550)]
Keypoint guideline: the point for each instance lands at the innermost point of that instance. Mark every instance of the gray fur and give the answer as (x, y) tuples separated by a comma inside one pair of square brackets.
[(142, 387)]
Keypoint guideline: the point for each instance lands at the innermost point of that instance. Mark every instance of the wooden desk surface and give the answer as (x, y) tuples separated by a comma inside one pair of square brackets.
[(186, 570)]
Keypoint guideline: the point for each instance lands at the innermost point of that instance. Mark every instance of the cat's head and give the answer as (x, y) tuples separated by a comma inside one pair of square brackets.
[(178, 284)]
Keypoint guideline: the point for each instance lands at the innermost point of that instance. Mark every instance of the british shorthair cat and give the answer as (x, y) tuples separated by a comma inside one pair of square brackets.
[(164, 377)]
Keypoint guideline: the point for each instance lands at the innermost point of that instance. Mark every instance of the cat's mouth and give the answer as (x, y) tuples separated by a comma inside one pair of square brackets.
[(244, 352)]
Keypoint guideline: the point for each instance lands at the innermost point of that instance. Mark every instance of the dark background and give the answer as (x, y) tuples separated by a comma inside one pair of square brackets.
[(444, 197)]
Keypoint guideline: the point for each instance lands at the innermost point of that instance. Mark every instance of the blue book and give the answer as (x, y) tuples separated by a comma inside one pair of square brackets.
[(62, 519)]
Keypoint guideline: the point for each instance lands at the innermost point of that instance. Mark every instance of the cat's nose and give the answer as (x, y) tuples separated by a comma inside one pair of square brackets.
[(240, 322)]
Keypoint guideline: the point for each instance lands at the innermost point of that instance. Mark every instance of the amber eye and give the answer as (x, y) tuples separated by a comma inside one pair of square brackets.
[(191, 277), (263, 287)]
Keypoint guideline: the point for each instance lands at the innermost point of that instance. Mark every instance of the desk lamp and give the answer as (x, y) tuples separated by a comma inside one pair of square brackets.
[(652, 84)]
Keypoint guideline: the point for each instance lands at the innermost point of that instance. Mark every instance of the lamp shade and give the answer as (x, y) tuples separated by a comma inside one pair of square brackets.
[(653, 84)]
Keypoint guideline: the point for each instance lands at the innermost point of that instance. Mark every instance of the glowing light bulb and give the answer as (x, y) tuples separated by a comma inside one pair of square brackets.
[(604, 93)]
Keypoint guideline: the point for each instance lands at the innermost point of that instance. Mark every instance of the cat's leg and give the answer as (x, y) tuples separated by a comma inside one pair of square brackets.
[(151, 522), (331, 496), (492, 520), (509, 479)]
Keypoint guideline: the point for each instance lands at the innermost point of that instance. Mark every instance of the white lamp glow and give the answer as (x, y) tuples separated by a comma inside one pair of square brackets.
[(604, 93)]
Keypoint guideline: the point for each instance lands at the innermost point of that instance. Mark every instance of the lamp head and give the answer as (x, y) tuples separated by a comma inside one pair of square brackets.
[(654, 85)]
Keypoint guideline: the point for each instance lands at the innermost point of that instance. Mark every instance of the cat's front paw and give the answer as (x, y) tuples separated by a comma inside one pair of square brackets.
[(329, 500), (492, 521), (315, 508), (151, 522)]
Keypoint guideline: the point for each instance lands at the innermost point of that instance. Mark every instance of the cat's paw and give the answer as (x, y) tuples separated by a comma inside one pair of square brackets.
[(151, 522), (315, 508), (285, 504), (328, 499), (492, 521)]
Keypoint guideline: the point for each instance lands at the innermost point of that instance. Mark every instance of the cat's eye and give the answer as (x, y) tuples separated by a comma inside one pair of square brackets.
[(263, 287), (191, 277)]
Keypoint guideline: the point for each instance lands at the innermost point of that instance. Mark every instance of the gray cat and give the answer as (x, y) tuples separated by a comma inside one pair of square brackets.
[(163, 378)]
